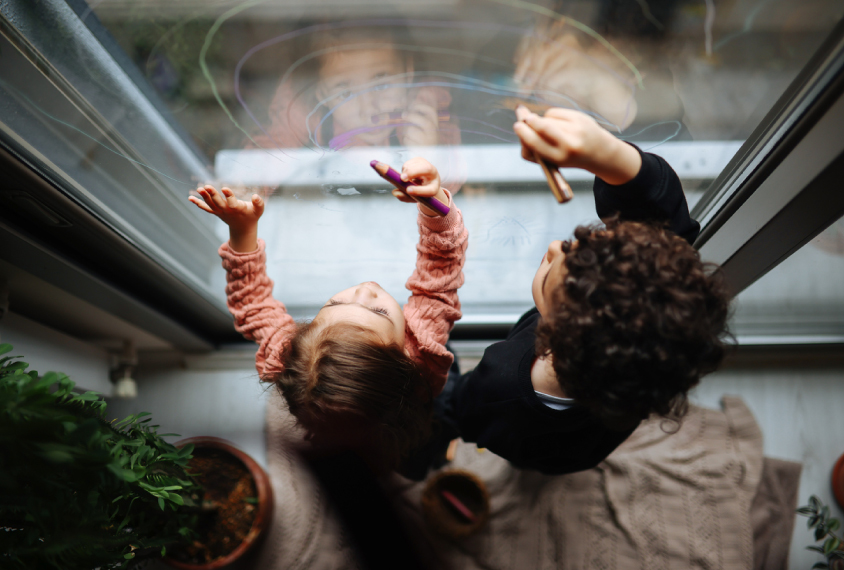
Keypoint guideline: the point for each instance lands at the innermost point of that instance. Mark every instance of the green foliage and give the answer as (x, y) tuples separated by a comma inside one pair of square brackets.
[(825, 527), (77, 491)]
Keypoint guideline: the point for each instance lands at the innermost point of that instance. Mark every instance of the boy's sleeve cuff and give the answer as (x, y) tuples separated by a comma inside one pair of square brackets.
[(441, 223), (647, 180)]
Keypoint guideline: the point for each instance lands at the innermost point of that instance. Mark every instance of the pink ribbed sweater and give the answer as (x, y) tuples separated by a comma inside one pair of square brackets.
[(430, 312)]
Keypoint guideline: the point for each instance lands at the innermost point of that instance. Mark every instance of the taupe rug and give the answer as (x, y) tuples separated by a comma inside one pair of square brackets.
[(661, 501)]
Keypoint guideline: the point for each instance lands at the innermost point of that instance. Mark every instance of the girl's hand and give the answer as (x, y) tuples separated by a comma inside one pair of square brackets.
[(426, 183), (424, 126), (241, 217), (572, 139)]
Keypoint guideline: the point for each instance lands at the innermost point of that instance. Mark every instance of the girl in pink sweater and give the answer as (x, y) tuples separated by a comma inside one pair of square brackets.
[(363, 372)]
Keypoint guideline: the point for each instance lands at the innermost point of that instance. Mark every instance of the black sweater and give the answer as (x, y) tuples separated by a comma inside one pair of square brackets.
[(496, 406)]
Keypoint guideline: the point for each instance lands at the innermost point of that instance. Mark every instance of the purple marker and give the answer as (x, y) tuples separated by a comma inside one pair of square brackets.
[(394, 178)]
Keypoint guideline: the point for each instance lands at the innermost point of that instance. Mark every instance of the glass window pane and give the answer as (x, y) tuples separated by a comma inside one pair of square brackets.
[(68, 107), (293, 99)]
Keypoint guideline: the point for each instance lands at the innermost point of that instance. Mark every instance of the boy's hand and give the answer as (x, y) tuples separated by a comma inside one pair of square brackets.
[(426, 183), (572, 139), (241, 216)]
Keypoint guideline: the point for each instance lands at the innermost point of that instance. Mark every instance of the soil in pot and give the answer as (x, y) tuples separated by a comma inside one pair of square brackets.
[(229, 507)]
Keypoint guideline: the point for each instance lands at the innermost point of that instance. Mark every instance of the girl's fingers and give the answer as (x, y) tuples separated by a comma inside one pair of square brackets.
[(402, 196), (200, 204), (424, 111), (417, 168), (425, 121), (257, 205), (231, 201), (426, 190), (207, 198), (218, 199)]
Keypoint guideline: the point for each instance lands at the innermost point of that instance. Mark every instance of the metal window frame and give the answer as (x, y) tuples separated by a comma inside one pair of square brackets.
[(55, 230), (783, 187)]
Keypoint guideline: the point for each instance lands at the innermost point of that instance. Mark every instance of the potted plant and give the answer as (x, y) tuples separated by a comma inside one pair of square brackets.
[(455, 503), (237, 505), (78, 491), (825, 530)]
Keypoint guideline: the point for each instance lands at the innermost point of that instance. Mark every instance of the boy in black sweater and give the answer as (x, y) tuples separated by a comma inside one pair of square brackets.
[(627, 317)]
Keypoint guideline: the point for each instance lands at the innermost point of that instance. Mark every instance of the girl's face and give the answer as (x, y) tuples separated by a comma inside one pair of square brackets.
[(549, 277), (356, 84), (369, 306)]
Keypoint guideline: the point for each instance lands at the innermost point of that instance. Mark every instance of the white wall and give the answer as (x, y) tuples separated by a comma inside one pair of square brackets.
[(217, 394), (800, 413), (47, 350)]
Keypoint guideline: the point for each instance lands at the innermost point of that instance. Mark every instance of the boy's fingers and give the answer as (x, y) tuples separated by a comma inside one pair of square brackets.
[(527, 154), (534, 142), (544, 127)]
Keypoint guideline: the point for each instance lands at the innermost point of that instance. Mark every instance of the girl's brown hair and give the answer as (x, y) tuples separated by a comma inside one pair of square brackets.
[(348, 389)]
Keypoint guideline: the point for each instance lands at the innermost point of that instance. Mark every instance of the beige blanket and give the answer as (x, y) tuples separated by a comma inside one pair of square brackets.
[(662, 500)]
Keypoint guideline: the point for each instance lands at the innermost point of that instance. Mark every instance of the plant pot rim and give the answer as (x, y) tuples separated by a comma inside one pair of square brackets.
[(429, 500), (263, 516)]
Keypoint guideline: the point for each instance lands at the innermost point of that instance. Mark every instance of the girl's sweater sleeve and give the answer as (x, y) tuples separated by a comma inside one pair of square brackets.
[(433, 306), (257, 316)]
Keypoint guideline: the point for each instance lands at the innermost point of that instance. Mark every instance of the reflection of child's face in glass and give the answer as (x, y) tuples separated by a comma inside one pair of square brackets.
[(357, 83)]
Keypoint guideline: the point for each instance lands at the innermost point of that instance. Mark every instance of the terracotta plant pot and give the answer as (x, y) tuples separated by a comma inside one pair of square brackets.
[(465, 489), (263, 514), (838, 481)]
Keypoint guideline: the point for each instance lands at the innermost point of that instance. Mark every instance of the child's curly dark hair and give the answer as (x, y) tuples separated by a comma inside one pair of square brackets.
[(348, 389), (638, 321)]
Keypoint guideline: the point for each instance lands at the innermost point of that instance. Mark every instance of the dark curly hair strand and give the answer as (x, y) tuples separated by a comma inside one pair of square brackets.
[(638, 321)]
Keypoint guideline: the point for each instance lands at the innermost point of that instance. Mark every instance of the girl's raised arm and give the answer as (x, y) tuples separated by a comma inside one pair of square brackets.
[(257, 315), (434, 306)]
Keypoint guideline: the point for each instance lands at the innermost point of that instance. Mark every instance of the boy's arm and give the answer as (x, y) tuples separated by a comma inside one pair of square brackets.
[(257, 315), (433, 306), (655, 194), (639, 186)]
